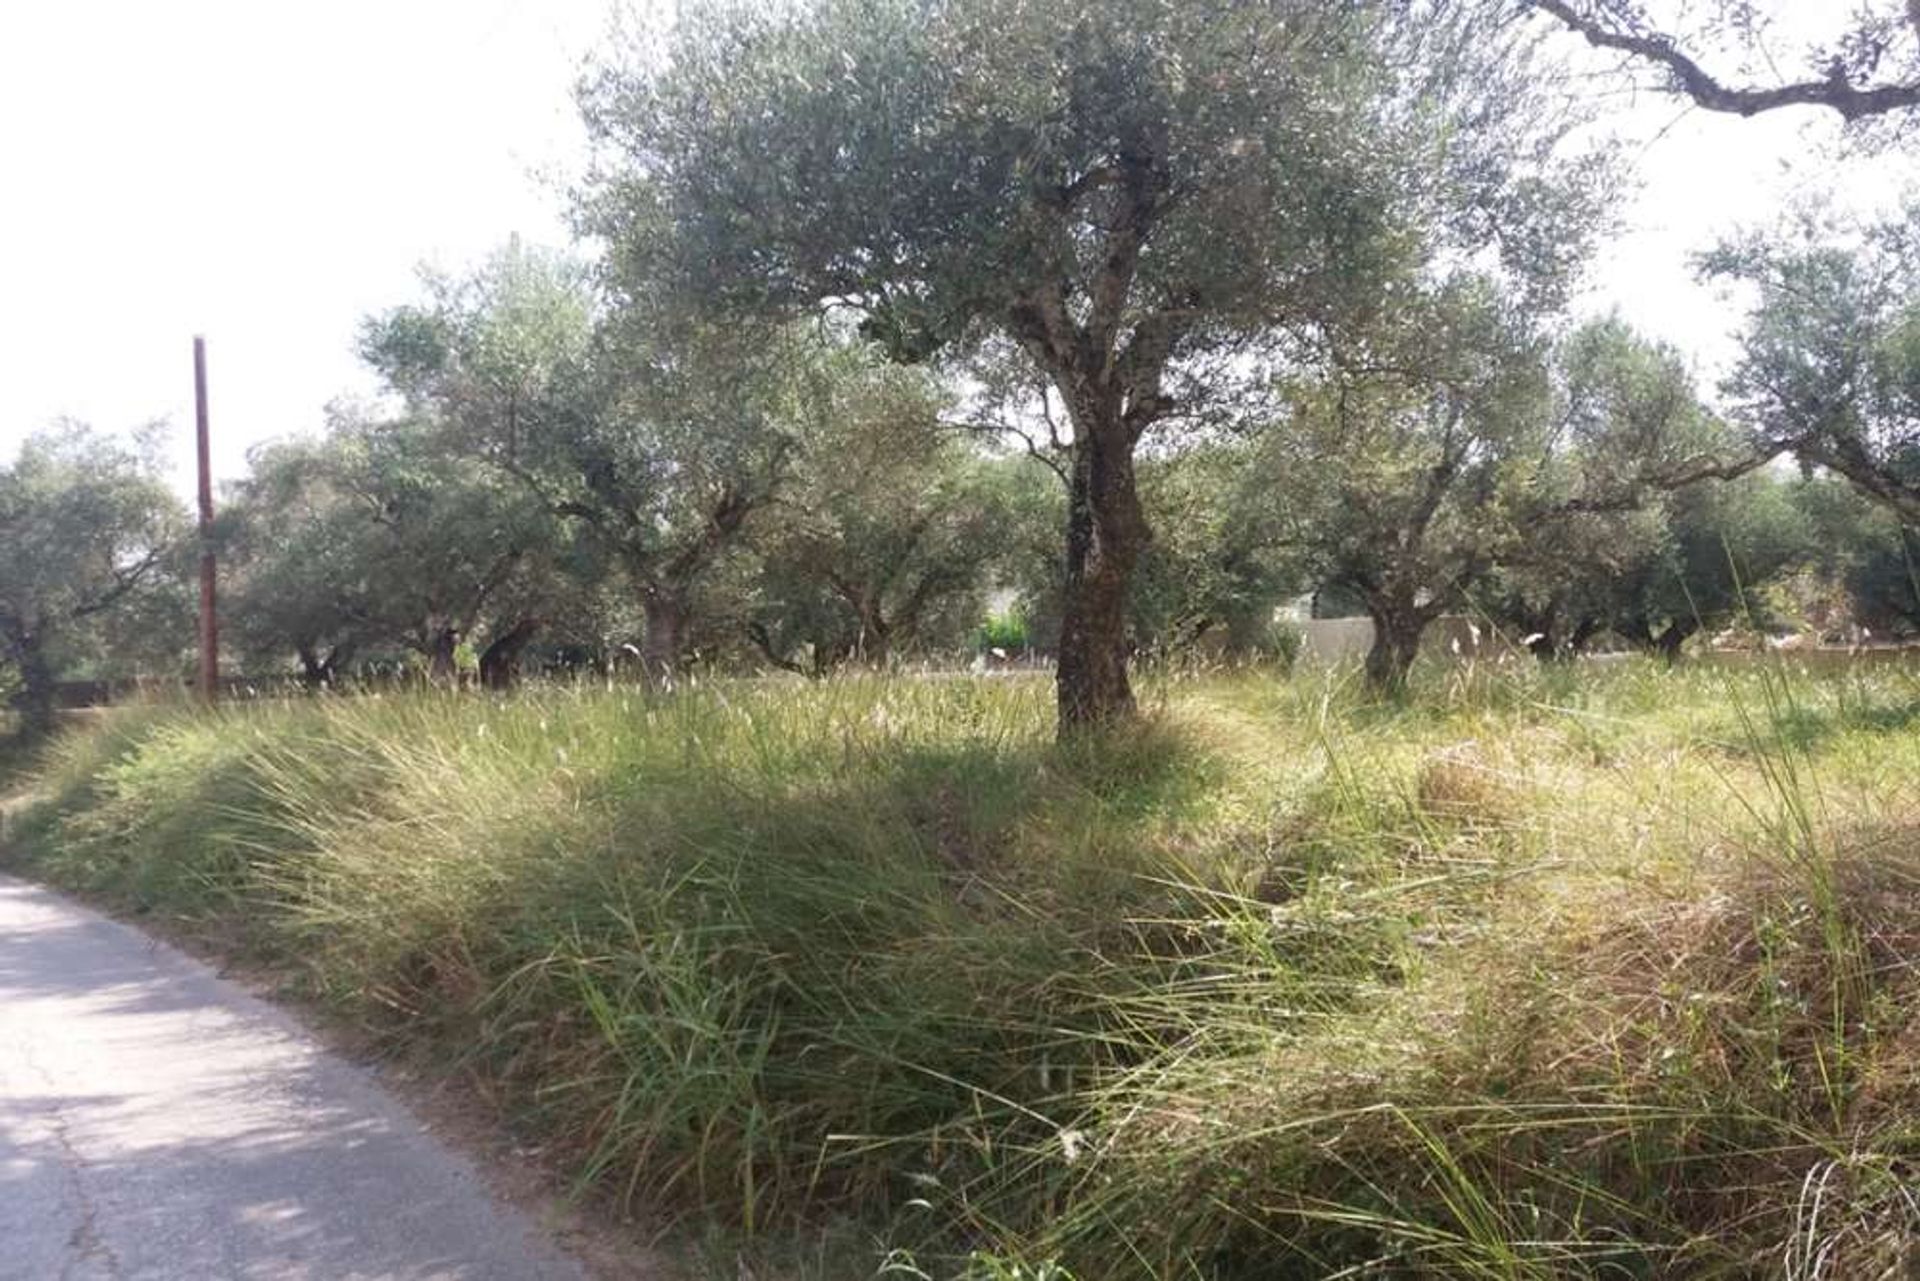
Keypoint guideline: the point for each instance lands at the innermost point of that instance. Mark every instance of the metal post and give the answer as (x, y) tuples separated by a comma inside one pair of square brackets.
[(209, 626)]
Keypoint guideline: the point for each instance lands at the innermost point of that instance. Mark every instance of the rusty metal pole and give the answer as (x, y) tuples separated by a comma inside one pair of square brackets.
[(209, 625)]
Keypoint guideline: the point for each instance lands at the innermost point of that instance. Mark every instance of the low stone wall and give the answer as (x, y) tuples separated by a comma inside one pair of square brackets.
[(1332, 641)]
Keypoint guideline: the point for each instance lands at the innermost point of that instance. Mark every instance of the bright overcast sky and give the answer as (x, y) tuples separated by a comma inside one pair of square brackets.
[(268, 173), (265, 173)]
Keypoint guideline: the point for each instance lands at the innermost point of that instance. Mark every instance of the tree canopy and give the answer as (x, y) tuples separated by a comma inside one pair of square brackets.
[(886, 522), (657, 446), (1831, 363), (1409, 469), (376, 537), (87, 526)]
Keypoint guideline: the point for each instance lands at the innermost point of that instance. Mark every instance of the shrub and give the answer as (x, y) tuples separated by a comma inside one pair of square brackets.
[(1006, 631)]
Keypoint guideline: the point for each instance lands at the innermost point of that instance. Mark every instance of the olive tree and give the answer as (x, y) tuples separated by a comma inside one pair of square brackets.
[(1628, 429), (1409, 470), (376, 536), (297, 567), (1554, 593), (1861, 550), (1458, 453), (1120, 191), (1831, 366), (657, 440), (889, 522), (87, 527), (1725, 542)]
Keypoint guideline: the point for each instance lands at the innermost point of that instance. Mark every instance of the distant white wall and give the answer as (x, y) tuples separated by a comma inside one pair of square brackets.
[(1332, 641), (1329, 642)]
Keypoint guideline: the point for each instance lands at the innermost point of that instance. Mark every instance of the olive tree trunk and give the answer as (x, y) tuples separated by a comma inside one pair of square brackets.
[(442, 651), (1670, 642), (34, 700), (1583, 633), (1106, 533), (500, 661), (661, 648), (1665, 644), (1396, 644), (318, 671)]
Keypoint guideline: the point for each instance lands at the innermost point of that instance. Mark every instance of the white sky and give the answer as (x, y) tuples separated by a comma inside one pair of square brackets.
[(268, 173), (261, 171)]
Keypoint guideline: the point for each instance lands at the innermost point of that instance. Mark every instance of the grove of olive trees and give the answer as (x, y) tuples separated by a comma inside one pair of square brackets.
[(1135, 320), (1049, 640)]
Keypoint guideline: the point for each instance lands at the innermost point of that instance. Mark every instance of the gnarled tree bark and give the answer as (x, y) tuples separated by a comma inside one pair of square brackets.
[(1398, 625), (441, 648), (1106, 534), (1109, 374), (35, 699), (665, 610), (500, 660)]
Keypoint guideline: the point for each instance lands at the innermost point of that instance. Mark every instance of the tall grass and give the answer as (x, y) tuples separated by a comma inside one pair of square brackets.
[(1535, 973)]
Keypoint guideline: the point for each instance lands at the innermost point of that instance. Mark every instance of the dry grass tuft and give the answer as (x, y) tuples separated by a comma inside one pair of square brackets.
[(1459, 784)]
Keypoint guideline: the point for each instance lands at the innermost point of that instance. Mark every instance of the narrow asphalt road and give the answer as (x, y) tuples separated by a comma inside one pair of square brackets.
[(159, 1123)]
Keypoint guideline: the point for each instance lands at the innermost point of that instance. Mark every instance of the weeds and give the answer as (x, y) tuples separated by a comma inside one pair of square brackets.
[(1535, 974)]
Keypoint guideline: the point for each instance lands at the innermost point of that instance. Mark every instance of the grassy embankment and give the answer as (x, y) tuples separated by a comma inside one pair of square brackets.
[(1582, 973)]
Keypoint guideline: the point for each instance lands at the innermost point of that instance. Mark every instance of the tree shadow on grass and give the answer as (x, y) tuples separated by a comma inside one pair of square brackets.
[(1804, 730)]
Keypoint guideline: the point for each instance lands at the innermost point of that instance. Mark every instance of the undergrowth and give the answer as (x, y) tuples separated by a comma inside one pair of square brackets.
[(1600, 972)]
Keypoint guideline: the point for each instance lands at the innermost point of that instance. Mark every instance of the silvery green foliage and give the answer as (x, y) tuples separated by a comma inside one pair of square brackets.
[(933, 165), (1831, 367), (375, 539), (89, 533), (657, 442)]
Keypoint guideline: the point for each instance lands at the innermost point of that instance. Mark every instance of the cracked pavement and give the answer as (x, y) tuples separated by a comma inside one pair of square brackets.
[(157, 1122)]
